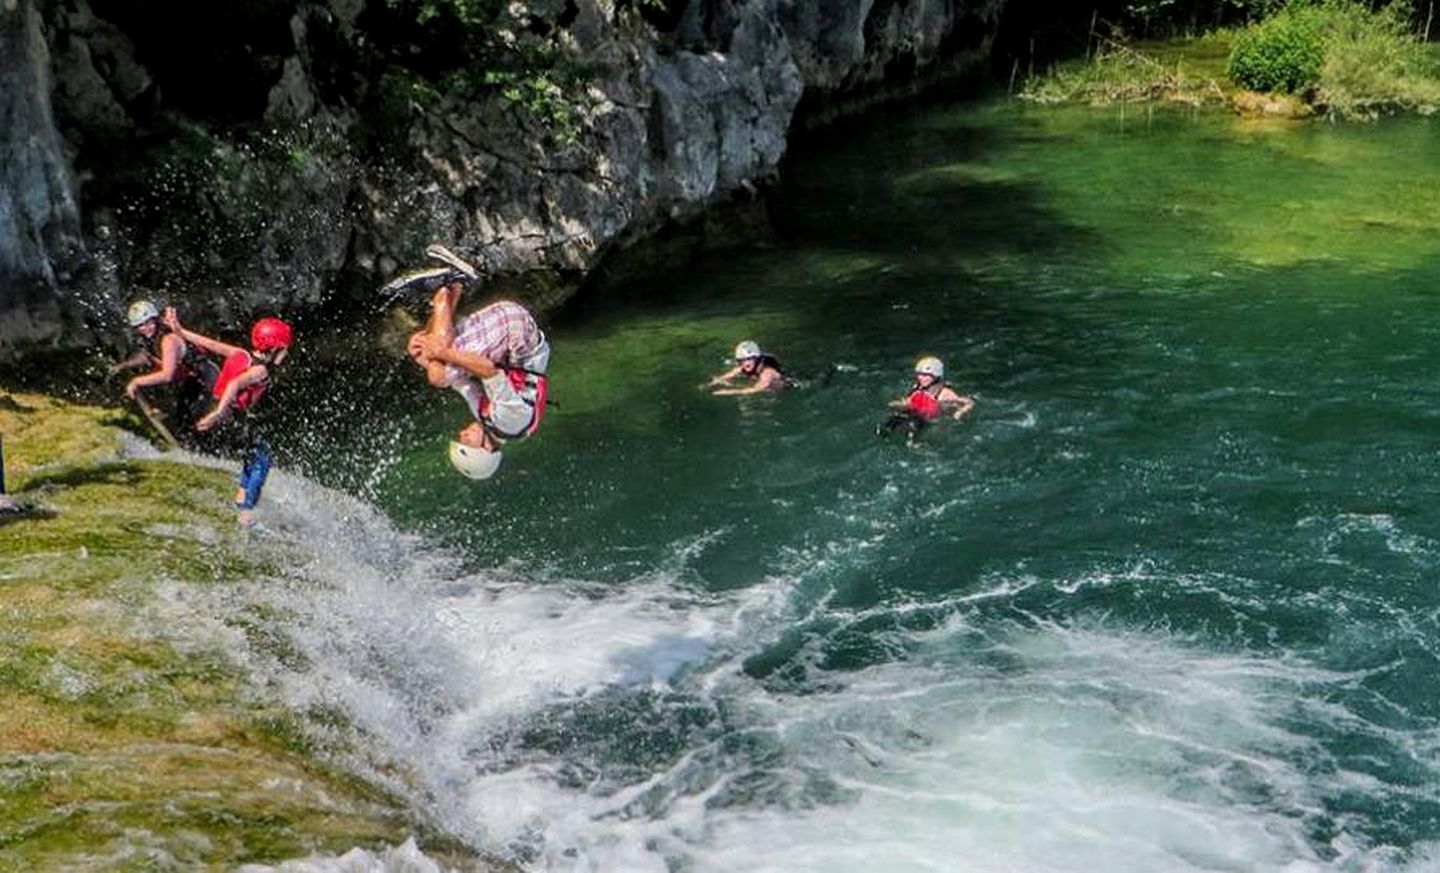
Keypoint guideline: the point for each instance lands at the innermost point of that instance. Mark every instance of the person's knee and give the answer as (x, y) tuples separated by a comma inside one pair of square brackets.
[(415, 347)]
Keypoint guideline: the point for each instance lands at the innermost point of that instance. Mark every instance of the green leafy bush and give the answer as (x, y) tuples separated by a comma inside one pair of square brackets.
[(1350, 59), (1285, 52)]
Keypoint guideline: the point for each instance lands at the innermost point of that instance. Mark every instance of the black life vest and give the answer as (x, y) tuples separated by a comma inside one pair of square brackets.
[(769, 361), (192, 364)]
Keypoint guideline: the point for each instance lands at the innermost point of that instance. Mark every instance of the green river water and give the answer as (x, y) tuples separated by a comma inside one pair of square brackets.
[(1167, 600)]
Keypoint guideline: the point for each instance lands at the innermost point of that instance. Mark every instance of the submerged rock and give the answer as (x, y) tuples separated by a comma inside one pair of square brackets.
[(1267, 105)]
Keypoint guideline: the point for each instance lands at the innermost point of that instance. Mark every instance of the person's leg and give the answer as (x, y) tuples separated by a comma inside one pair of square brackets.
[(442, 312), (192, 401), (253, 472)]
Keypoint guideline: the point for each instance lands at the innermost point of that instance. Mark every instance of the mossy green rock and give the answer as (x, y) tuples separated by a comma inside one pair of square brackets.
[(127, 740)]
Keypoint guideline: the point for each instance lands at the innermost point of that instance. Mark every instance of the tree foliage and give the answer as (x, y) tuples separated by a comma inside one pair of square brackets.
[(488, 47), (1169, 16)]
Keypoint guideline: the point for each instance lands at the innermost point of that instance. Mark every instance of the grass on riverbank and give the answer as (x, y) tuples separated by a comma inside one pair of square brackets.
[(128, 739), (1186, 72), (1375, 65), (1369, 63)]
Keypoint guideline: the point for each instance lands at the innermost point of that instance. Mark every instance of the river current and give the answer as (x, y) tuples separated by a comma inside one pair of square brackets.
[(1166, 601)]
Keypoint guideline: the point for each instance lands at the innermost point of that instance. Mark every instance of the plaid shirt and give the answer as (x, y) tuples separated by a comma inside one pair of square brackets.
[(504, 332)]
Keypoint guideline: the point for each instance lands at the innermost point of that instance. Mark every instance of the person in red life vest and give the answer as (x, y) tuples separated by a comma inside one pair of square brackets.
[(172, 360), (929, 398), (243, 380), (762, 371), (496, 358)]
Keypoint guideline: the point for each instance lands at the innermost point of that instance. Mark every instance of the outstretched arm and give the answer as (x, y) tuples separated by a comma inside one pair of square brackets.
[(748, 389), (960, 404), (170, 348), (723, 378), (769, 380), (139, 359), (214, 346)]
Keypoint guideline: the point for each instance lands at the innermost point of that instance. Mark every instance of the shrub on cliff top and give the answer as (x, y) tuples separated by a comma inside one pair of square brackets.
[(474, 48)]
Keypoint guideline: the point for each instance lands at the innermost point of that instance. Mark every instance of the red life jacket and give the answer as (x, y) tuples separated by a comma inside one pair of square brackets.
[(235, 365), (924, 404), (533, 387)]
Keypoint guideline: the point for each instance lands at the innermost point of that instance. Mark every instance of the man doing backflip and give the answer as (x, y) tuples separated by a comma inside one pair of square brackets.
[(496, 358)]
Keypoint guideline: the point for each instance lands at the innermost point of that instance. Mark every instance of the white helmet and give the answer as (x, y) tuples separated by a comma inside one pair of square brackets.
[(140, 312), (472, 462), (930, 366), (748, 349)]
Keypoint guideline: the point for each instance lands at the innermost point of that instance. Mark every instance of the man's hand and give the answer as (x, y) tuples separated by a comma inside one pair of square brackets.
[(432, 347), (416, 348), (132, 388)]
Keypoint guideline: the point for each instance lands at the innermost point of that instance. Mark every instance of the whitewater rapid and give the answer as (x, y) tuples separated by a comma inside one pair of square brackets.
[(576, 727)]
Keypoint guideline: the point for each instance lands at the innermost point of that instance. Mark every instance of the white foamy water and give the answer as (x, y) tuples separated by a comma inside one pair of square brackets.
[(584, 728)]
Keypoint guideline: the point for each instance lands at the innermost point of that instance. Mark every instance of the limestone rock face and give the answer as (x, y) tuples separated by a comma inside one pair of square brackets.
[(306, 176), (40, 242)]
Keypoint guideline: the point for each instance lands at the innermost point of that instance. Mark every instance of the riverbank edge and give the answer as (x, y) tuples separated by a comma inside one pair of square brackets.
[(1192, 72), (133, 737)]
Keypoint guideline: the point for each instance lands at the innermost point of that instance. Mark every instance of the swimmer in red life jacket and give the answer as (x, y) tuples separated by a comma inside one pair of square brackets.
[(496, 358), (929, 398), (244, 378), (762, 371)]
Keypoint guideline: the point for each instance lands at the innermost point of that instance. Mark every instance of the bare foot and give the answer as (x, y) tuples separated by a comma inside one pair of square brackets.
[(246, 518)]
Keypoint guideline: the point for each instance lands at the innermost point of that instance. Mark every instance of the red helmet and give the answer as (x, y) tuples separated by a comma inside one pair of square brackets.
[(270, 333)]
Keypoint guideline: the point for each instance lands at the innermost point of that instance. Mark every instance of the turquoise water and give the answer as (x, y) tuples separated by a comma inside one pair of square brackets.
[(1165, 601)]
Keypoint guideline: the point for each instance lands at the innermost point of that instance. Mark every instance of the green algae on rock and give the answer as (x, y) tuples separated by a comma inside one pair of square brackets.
[(132, 741)]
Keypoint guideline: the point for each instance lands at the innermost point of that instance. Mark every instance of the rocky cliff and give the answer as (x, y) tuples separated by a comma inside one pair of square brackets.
[(40, 241), (285, 153)]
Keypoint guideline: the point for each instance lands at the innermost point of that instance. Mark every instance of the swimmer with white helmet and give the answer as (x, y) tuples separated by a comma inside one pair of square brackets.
[(752, 365), (930, 397)]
